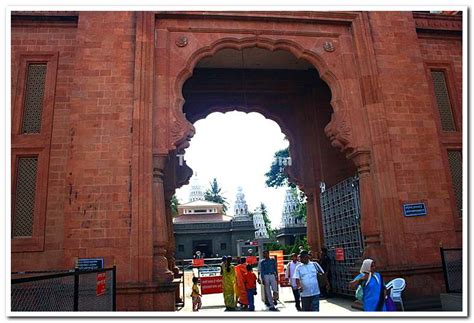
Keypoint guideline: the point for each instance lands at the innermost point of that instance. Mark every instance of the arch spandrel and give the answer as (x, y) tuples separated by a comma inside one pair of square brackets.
[(181, 130)]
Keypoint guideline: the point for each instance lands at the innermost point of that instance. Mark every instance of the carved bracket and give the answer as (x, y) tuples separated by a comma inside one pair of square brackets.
[(362, 159), (339, 132)]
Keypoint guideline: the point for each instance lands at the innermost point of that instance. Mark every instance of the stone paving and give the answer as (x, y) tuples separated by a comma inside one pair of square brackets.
[(214, 303)]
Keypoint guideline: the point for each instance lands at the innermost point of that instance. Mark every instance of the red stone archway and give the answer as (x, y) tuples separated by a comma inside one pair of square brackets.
[(168, 55)]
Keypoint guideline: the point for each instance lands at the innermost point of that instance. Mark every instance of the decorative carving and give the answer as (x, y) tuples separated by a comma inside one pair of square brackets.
[(452, 23), (361, 158), (339, 132), (329, 46), (183, 174), (181, 132), (158, 169), (181, 41)]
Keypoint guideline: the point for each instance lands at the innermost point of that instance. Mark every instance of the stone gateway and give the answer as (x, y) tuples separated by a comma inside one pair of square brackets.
[(103, 104)]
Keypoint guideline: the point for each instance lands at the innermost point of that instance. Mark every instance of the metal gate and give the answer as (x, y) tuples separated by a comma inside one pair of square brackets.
[(341, 226)]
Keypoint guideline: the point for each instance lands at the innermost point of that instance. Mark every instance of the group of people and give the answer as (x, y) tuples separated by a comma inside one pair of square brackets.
[(239, 283)]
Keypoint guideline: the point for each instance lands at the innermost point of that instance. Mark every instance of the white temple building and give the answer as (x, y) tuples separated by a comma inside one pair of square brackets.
[(259, 224), (241, 212), (291, 227), (288, 218), (197, 192)]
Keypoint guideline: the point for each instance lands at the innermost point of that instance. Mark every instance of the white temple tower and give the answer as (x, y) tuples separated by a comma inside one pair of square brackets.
[(197, 192), (241, 212), (259, 224), (288, 219)]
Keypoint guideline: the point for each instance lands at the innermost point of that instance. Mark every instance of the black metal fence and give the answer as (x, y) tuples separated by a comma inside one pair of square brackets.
[(452, 268), (93, 290)]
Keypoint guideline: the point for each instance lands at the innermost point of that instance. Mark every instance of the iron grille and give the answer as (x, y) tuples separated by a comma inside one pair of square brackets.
[(452, 267), (442, 98), (74, 290), (341, 226), (455, 165), (34, 95), (25, 197), (55, 294), (88, 298)]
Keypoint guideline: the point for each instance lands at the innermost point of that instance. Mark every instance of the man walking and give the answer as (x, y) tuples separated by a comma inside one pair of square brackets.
[(289, 272), (306, 275), (267, 272)]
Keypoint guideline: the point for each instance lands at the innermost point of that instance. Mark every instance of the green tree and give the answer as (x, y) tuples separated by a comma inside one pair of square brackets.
[(276, 177), (174, 206), (213, 194), (266, 219)]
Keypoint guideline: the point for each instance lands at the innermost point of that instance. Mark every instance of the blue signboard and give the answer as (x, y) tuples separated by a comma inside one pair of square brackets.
[(414, 209), (90, 263)]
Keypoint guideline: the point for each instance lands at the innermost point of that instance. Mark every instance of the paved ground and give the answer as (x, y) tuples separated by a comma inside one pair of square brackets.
[(214, 303)]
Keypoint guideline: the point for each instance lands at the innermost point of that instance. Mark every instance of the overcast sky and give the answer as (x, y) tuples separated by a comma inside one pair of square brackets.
[(237, 149)]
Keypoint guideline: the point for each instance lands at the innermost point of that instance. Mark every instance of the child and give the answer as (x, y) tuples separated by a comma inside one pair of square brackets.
[(196, 295), (251, 286)]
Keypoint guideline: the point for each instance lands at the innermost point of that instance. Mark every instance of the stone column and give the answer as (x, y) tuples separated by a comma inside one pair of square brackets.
[(171, 249), (312, 229), (370, 222), (161, 273)]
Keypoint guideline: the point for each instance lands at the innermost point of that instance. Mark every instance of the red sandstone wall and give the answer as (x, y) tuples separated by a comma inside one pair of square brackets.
[(417, 157), (99, 219), (445, 50), (41, 38), (89, 192)]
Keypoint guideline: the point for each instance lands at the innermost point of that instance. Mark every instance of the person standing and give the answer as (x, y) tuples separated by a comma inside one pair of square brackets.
[(306, 275), (326, 265), (196, 295), (267, 273), (251, 287), (228, 284), (289, 272), (240, 271), (373, 286)]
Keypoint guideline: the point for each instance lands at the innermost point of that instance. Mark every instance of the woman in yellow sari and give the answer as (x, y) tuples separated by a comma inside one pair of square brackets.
[(228, 284)]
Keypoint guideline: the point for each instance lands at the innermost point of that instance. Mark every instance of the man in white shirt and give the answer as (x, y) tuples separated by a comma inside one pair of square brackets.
[(289, 272), (306, 275)]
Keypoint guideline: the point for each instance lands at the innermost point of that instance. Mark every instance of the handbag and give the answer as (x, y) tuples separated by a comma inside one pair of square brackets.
[(390, 304), (321, 275)]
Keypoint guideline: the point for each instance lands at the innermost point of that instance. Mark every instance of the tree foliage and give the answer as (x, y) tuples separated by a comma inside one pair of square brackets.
[(276, 176), (266, 219), (214, 194), (174, 205), (289, 249)]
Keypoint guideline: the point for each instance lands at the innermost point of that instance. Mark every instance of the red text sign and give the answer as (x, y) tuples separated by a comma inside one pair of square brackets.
[(340, 254), (100, 288), (198, 262), (211, 285)]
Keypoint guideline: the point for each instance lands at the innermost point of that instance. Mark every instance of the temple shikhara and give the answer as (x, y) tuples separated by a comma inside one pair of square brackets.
[(103, 106)]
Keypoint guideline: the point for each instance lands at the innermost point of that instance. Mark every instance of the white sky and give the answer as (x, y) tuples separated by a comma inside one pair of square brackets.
[(237, 149)]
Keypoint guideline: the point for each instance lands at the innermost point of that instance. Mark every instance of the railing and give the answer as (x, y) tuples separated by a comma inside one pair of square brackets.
[(93, 290), (452, 268)]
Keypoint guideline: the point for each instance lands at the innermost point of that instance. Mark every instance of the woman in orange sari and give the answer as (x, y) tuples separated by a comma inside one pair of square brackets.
[(241, 291)]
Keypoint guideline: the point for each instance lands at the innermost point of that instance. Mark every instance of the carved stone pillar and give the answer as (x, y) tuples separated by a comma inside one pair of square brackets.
[(161, 273), (171, 241), (312, 230), (370, 222)]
